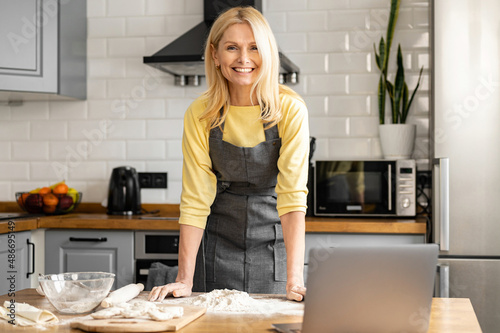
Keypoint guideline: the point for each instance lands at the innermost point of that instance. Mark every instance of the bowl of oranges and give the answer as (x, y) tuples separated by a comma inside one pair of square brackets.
[(56, 199)]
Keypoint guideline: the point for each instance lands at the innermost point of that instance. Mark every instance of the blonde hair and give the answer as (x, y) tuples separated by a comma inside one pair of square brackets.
[(266, 87)]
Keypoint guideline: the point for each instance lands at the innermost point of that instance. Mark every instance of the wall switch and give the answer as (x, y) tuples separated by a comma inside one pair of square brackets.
[(153, 179)]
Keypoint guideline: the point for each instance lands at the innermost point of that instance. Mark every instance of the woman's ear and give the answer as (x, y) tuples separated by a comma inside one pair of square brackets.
[(214, 54)]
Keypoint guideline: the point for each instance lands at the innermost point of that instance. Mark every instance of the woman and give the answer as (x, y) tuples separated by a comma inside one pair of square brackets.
[(245, 148)]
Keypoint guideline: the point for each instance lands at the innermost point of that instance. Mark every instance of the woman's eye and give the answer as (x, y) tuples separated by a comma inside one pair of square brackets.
[(255, 48), (231, 47)]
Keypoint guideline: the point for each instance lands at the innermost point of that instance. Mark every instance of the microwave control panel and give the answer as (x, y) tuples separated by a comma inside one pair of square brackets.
[(406, 174)]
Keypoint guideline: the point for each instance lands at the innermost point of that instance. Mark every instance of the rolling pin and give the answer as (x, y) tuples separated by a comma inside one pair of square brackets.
[(122, 295)]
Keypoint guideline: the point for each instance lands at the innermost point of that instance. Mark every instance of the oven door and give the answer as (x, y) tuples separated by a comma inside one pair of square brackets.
[(360, 188), (152, 247)]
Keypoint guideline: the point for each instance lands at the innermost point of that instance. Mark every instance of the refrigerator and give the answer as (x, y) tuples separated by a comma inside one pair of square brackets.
[(465, 151)]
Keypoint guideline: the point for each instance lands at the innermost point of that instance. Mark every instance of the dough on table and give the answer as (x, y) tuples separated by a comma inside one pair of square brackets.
[(107, 313)]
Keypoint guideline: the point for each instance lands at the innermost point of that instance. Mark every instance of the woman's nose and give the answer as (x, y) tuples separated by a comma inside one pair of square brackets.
[(244, 56)]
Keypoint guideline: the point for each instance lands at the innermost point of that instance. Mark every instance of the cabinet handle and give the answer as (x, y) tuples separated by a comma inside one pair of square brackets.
[(78, 239), (32, 259)]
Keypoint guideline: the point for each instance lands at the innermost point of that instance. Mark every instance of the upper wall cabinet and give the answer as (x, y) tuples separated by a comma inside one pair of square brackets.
[(43, 49)]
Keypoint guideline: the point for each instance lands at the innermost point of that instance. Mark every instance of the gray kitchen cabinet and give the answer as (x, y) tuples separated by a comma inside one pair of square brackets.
[(70, 250), (324, 240), (43, 49), (16, 260)]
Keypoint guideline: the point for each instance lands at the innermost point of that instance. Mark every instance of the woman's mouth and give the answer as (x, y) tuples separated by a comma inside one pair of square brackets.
[(242, 70)]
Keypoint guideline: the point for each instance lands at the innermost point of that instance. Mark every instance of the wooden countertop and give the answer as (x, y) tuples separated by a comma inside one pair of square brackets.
[(447, 315), (93, 216)]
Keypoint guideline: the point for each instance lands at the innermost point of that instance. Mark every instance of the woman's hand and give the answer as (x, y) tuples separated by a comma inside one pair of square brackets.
[(295, 292), (176, 289)]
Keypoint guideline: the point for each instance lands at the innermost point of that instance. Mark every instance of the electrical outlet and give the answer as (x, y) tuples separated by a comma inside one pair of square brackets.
[(153, 179), (424, 179)]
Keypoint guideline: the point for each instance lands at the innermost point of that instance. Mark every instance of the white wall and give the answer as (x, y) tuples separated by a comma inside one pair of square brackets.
[(133, 114)]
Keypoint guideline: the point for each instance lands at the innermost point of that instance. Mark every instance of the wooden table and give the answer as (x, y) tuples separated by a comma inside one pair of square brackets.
[(448, 315)]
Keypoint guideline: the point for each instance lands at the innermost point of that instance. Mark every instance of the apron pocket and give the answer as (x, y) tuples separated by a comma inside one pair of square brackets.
[(279, 254)]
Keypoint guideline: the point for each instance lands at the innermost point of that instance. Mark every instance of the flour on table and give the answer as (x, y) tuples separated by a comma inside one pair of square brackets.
[(234, 301)]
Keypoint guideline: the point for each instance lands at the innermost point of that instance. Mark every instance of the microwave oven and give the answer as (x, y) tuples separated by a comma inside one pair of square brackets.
[(365, 188)]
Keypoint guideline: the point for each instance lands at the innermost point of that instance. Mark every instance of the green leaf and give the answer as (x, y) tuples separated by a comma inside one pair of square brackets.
[(390, 90), (398, 88), (393, 18), (404, 112), (414, 91), (381, 99)]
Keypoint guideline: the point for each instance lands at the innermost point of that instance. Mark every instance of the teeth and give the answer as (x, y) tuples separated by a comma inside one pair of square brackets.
[(243, 70)]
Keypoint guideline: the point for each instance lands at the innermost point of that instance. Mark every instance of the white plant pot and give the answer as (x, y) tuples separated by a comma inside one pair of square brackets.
[(397, 140)]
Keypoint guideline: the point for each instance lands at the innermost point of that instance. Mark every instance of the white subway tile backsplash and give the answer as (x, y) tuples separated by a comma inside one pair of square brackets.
[(146, 150), (127, 129), (10, 171), (349, 148), (311, 63), (348, 106), (145, 26), (6, 194), (5, 151), (332, 127), (164, 129), (4, 112), (107, 109), (363, 127), (49, 130), (88, 170), (96, 8), (108, 150), (106, 27), (292, 42), (125, 7), (176, 107), (327, 4), (174, 192), (50, 170), (164, 7), (126, 47), (28, 151), (306, 21), (67, 110), (177, 25), (326, 84), (341, 20), (421, 17), (412, 38), (279, 5), (106, 68), (277, 21), (363, 83), (14, 130), (96, 48), (174, 149), (30, 111), (369, 4), (147, 109), (327, 42), (172, 168), (317, 106), (349, 62), (89, 130), (96, 89)]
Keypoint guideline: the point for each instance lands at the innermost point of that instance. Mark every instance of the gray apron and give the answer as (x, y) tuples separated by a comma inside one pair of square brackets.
[(243, 245)]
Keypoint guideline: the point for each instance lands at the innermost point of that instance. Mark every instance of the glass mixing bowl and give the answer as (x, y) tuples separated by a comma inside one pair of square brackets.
[(76, 293)]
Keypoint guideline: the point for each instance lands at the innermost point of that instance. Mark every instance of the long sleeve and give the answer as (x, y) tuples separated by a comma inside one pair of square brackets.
[(198, 181), (293, 163)]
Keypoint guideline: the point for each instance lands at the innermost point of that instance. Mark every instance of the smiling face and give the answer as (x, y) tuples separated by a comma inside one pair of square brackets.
[(238, 58)]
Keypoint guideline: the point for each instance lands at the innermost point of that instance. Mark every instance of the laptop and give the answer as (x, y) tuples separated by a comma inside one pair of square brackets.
[(368, 289)]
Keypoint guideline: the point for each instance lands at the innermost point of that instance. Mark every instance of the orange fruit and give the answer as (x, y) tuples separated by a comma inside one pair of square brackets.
[(60, 189), (50, 200), (44, 190), (49, 209), (22, 199)]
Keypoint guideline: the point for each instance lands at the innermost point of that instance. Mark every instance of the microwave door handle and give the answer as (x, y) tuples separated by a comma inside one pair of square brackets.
[(389, 185)]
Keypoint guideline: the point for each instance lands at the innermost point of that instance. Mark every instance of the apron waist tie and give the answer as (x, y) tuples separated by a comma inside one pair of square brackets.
[(244, 188)]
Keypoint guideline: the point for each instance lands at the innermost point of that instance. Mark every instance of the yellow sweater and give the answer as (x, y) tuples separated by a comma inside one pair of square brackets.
[(244, 129)]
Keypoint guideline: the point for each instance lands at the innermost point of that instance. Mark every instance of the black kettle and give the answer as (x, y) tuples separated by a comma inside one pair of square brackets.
[(124, 196)]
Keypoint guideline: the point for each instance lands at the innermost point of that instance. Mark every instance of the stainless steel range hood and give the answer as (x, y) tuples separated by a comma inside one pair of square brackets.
[(184, 57)]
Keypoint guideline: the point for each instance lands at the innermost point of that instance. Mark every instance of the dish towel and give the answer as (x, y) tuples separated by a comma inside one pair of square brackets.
[(23, 314), (160, 274)]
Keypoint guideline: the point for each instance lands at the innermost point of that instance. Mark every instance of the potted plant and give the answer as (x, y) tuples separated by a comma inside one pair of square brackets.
[(397, 139)]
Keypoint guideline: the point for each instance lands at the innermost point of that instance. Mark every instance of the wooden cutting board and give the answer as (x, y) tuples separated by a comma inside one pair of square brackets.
[(140, 325)]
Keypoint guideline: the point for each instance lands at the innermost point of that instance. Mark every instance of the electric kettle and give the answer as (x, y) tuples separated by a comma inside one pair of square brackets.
[(124, 195)]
